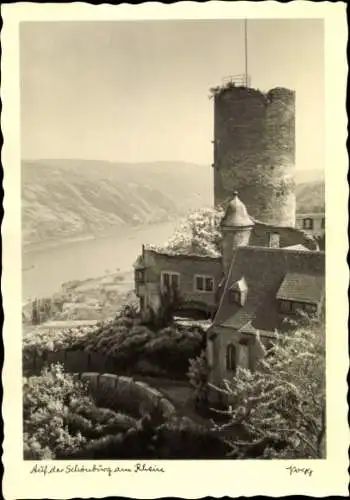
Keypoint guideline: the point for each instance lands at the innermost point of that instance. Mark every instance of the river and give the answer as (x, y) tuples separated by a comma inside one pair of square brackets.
[(46, 268)]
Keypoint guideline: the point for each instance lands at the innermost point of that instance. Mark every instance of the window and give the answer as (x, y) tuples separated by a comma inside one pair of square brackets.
[(204, 283), (308, 223), (236, 296), (274, 240), (210, 353), (323, 223), (285, 306), (310, 308), (140, 276), (231, 358), (170, 279), (291, 307), (244, 355)]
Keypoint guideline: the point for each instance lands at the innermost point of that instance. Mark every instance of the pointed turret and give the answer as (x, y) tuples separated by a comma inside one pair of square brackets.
[(236, 227), (236, 214)]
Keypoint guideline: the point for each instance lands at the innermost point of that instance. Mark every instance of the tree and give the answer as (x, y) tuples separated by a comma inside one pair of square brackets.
[(198, 234), (198, 377), (170, 301), (280, 407), (130, 307), (35, 312)]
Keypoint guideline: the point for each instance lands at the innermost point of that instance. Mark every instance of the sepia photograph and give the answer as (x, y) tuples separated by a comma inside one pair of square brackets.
[(178, 305), (173, 223)]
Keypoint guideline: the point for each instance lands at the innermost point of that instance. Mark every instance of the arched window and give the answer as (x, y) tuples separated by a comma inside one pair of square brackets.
[(210, 353), (231, 358)]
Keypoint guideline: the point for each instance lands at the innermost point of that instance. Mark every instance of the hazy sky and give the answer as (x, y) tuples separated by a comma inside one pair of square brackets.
[(138, 91)]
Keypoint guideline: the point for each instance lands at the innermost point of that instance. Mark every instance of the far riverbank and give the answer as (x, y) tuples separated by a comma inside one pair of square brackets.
[(49, 265)]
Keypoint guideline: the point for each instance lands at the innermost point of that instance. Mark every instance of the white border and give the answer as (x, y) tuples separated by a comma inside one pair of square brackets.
[(187, 479)]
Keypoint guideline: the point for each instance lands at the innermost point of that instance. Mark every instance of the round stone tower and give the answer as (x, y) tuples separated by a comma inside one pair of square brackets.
[(254, 151)]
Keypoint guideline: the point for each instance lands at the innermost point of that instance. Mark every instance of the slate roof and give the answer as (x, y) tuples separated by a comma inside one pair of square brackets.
[(264, 270), (301, 288)]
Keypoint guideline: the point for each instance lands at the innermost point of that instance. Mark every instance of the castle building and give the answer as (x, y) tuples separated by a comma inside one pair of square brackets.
[(199, 278), (268, 269), (263, 287)]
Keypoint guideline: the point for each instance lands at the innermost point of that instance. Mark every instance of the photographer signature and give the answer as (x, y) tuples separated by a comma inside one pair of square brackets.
[(299, 470)]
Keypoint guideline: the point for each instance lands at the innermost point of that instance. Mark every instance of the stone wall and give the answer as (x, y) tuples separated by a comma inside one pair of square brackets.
[(121, 393), (109, 390), (254, 152), (75, 361)]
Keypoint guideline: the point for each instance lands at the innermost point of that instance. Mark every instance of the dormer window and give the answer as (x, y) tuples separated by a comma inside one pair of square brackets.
[(238, 292)]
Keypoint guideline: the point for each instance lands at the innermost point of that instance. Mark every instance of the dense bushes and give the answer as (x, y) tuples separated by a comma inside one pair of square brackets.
[(150, 438), (126, 343), (59, 417), (41, 341), (132, 346)]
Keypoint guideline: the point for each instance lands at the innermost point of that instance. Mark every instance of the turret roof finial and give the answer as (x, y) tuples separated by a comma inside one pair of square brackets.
[(236, 213)]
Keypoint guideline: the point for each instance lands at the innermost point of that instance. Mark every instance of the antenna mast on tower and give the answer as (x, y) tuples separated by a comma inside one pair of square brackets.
[(246, 53)]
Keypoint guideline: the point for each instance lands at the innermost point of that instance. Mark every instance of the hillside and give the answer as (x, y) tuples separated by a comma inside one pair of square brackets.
[(310, 197), (76, 198), (310, 190)]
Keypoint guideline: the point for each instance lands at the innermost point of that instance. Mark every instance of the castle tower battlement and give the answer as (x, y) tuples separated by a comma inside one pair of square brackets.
[(254, 151)]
